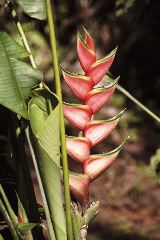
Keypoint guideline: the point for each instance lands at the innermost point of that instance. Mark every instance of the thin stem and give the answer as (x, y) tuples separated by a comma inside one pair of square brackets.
[(62, 124), (8, 206), (138, 103), (47, 213), (26, 188), (8, 220), (21, 32)]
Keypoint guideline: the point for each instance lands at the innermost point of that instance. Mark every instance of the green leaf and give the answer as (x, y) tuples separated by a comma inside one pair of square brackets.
[(34, 8), (24, 228), (77, 221), (91, 212), (44, 114), (17, 78)]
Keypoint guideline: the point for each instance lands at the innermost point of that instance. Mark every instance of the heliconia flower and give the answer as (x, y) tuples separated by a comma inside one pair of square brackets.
[(88, 40), (97, 164), (99, 96), (86, 54), (81, 116), (98, 69), (78, 83), (78, 148), (79, 187), (77, 114), (97, 130)]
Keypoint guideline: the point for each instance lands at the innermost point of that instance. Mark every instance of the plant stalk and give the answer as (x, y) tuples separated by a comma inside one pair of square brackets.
[(138, 103), (8, 206), (8, 221), (21, 32), (62, 124)]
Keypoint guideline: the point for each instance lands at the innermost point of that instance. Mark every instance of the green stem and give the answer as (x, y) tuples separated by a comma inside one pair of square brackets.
[(8, 206), (138, 103), (8, 220), (21, 32), (26, 184), (47, 213), (62, 124)]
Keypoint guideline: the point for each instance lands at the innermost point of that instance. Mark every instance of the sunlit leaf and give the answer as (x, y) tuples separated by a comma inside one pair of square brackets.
[(34, 8), (44, 114), (16, 77)]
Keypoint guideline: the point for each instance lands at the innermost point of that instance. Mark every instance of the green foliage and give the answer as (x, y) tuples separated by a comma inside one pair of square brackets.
[(91, 212), (17, 78), (35, 9), (44, 114), (77, 221), (123, 6), (24, 228), (8, 206)]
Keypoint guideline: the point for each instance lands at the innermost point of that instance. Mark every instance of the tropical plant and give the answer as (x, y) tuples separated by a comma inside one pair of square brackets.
[(36, 114)]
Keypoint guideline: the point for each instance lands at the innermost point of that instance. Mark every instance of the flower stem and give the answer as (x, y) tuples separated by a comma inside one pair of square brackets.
[(138, 103), (62, 124), (8, 221)]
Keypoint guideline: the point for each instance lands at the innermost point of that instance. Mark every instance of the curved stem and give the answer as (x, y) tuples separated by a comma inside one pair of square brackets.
[(62, 124), (21, 32), (8, 221), (138, 103)]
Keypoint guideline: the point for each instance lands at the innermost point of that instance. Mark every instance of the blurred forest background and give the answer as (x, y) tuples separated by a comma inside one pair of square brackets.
[(129, 191)]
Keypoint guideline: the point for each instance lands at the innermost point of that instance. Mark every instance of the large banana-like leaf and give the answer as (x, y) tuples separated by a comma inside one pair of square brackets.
[(16, 77), (34, 8), (44, 114)]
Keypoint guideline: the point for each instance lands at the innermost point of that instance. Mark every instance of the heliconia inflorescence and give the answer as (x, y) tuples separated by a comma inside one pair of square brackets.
[(81, 116)]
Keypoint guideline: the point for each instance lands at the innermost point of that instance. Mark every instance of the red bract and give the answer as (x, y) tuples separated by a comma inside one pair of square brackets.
[(86, 54), (95, 165), (78, 148), (98, 69), (99, 96), (81, 116), (78, 83), (89, 41), (96, 131), (77, 114), (79, 186)]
